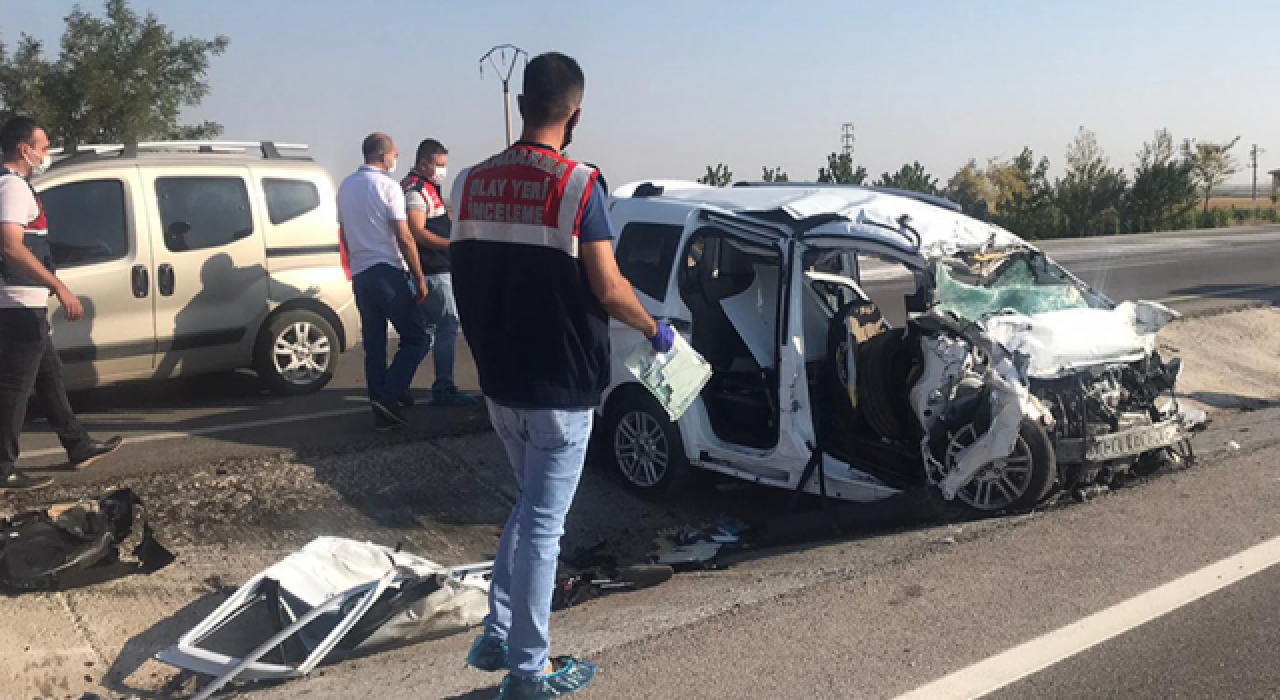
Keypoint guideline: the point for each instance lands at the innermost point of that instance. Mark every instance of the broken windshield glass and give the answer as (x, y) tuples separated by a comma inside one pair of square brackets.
[(1015, 286)]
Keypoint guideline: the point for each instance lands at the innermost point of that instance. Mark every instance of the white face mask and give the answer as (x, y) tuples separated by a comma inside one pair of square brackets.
[(394, 163), (438, 176), (40, 168)]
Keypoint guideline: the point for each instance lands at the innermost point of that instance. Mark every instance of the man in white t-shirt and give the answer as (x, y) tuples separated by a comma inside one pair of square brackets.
[(371, 210), (29, 362)]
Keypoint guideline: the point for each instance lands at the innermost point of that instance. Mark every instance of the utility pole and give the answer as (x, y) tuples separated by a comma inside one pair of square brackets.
[(1253, 163), (497, 59), (846, 139)]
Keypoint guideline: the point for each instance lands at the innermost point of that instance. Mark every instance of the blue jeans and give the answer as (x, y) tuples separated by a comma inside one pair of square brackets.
[(440, 314), (547, 449), (384, 293)]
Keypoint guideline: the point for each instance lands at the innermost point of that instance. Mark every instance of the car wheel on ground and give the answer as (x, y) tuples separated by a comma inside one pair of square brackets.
[(296, 353), (644, 446), (1015, 483)]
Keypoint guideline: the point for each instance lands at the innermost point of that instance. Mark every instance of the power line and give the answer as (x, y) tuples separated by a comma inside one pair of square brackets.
[(846, 139), (1253, 163), (497, 59)]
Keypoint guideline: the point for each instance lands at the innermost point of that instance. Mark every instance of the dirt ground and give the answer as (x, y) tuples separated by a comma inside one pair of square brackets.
[(1231, 361)]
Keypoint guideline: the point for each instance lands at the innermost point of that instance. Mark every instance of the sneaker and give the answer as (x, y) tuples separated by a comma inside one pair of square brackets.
[(488, 655), (570, 676), (96, 450), (391, 413), (452, 397), (18, 481)]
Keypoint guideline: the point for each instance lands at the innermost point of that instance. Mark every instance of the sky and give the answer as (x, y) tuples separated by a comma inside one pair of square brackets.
[(675, 86)]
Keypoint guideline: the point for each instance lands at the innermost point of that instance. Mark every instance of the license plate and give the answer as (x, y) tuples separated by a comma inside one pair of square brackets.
[(1133, 442)]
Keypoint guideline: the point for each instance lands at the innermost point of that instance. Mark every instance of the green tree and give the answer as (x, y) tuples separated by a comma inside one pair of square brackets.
[(1091, 193), (1164, 188), (971, 189), (774, 175), (910, 177), (1212, 163), (1022, 196), (719, 176), (840, 171), (119, 78)]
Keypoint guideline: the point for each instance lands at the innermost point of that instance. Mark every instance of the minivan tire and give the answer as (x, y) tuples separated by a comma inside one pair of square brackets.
[(637, 422), (296, 336)]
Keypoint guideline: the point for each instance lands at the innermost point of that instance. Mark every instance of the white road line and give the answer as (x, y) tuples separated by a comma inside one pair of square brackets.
[(1226, 292), (214, 429), (1038, 654)]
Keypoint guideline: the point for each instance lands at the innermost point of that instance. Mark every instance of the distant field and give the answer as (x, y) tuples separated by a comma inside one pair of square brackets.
[(1263, 201)]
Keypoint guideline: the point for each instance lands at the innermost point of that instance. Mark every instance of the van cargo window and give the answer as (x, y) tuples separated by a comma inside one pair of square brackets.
[(203, 212), (645, 254), (289, 199), (87, 222)]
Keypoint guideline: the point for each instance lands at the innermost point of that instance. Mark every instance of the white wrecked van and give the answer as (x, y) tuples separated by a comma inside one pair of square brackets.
[(1004, 379)]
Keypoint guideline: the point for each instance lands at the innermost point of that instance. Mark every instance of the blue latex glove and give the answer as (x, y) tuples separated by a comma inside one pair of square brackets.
[(664, 339)]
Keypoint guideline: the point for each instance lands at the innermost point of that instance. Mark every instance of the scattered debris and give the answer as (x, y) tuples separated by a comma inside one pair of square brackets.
[(686, 548), (1233, 446), (589, 585), (68, 545), (333, 595)]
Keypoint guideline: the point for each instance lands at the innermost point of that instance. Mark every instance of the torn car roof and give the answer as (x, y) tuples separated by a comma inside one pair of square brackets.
[(942, 230)]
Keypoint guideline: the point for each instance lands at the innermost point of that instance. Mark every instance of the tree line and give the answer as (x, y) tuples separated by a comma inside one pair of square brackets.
[(1169, 188)]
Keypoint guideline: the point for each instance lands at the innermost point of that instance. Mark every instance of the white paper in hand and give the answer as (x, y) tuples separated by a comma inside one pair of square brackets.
[(675, 378)]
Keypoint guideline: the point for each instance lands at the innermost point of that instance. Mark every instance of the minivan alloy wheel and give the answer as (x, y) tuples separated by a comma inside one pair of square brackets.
[(996, 485), (640, 448), (301, 353)]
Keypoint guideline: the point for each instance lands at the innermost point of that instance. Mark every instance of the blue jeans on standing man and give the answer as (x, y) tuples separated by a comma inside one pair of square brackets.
[(547, 449), (384, 293), (440, 314)]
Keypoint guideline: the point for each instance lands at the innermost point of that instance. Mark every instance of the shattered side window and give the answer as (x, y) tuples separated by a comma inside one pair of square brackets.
[(1017, 289)]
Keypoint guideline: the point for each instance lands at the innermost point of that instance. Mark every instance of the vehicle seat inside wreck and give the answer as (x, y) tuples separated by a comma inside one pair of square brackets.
[(741, 397)]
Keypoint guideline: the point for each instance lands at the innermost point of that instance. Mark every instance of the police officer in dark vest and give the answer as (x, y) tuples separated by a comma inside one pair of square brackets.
[(536, 282), (29, 363)]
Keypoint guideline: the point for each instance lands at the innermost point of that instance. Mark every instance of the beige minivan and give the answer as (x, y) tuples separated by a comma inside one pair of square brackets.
[(197, 257)]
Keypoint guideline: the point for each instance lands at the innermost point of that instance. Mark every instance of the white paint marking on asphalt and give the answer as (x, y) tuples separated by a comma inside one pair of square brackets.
[(1224, 292), (1009, 667), (213, 429)]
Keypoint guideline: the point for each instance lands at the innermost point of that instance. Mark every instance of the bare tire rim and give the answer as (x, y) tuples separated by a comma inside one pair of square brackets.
[(301, 353), (998, 484), (640, 447)]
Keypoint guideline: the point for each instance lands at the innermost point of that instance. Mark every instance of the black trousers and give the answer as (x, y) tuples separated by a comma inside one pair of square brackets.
[(29, 364)]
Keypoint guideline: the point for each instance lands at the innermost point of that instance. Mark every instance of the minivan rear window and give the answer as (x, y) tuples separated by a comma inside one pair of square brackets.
[(289, 199)]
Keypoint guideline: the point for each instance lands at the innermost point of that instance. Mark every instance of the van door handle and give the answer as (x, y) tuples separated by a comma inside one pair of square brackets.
[(141, 282), (165, 279)]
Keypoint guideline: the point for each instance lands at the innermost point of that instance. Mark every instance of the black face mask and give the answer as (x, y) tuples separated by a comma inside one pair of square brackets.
[(568, 133)]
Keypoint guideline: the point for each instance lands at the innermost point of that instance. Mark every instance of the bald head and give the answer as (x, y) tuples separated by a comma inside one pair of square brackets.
[(379, 151)]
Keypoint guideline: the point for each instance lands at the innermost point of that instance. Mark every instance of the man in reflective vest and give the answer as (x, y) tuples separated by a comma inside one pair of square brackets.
[(29, 363), (536, 283), (431, 227)]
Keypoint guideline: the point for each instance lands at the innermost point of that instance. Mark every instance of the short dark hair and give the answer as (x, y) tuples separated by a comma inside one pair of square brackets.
[(16, 131), (553, 87), (376, 145), (430, 148)]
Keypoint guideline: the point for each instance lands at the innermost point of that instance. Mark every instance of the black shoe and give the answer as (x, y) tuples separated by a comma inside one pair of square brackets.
[(407, 400), (18, 481), (97, 449), (387, 416), (452, 397)]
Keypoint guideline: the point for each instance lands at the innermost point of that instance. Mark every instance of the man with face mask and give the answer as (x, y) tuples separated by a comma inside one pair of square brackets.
[(429, 221), (386, 277), (29, 363), (536, 283)]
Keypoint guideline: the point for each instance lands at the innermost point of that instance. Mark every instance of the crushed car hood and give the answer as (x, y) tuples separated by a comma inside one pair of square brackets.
[(1059, 343)]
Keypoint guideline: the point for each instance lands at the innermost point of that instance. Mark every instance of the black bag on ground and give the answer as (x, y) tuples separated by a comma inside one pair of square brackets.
[(68, 545)]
